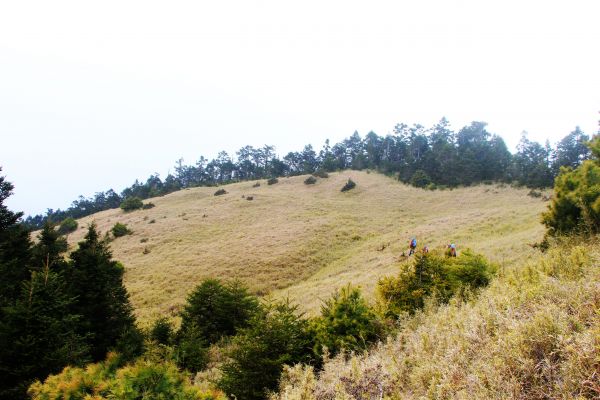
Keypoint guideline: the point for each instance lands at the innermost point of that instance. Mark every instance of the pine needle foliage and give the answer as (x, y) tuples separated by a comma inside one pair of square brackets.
[(96, 280), (346, 323), (275, 337), (575, 206), (112, 380)]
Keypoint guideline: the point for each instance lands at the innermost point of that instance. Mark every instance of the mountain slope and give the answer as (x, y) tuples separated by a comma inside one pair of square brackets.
[(304, 241)]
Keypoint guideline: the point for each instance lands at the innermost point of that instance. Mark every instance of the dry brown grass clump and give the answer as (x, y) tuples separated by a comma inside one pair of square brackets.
[(306, 241), (534, 333)]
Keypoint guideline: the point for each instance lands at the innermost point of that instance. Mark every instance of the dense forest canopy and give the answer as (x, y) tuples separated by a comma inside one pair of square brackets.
[(424, 157)]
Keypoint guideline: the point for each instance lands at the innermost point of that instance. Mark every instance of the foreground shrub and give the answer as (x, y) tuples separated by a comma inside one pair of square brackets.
[(110, 380), (67, 225), (272, 181), (346, 323), (216, 309), (311, 180), (220, 192), (432, 274), (120, 229), (349, 185), (274, 338), (131, 204), (191, 351)]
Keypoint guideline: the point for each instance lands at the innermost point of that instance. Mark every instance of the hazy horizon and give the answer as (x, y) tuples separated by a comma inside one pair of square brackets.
[(94, 96)]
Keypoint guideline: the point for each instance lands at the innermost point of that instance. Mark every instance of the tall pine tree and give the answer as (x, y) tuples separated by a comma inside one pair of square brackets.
[(96, 280)]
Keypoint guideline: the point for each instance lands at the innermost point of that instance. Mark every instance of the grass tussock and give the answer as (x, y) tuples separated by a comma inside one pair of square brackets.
[(533, 333)]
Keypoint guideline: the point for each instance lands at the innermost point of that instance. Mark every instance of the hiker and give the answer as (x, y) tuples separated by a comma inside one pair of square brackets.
[(413, 246), (425, 249), (452, 250)]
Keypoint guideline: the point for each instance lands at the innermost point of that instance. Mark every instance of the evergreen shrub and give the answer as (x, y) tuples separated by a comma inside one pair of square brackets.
[(272, 181), (432, 274), (120, 229), (349, 185), (111, 380), (220, 192), (131, 204), (420, 179), (276, 337), (67, 225), (346, 323), (311, 180)]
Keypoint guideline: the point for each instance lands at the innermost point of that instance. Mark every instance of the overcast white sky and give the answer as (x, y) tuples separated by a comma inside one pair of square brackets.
[(96, 94)]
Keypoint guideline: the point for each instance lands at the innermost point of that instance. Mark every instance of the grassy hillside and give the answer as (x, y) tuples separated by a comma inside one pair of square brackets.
[(304, 241), (534, 333)]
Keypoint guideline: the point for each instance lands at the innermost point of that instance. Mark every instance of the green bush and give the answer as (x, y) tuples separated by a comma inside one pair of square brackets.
[(257, 184), (272, 181), (131, 203), (420, 179), (349, 185), (162, 331), (191, 351), (109, 380), (432, 274), (148, 206), (276, 337), (534, 193), (575, 205), (346, 323), (120, 229), (311, 180), (220, 192), (67, 225), (218, 309)]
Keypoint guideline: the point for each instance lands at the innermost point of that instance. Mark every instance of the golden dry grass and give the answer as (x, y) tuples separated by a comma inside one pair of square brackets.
[(534, 333), (304, 241)]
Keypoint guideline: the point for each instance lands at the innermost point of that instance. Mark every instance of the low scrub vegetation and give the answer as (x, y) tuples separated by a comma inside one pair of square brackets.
[(321, 173), (349, 185), (113, 380), (67, 226), (272, 181), (346, 323), (220, 192), (131, 204), (432, 274), (148, 206), (120, 229), (311, 180)]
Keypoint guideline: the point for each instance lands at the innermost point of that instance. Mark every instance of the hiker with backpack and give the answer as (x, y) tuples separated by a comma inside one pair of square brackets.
[(412, 246), (451, 250)]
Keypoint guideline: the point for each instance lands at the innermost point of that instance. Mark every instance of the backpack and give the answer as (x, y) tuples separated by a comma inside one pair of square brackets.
[(413, 243)]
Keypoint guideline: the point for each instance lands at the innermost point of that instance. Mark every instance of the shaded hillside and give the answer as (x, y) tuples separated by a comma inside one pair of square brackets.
[(303, 241)]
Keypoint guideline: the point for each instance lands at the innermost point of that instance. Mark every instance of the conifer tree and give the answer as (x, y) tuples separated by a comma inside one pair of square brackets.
[(575, 206), (38, 333), (14, 249), (96, 280)]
